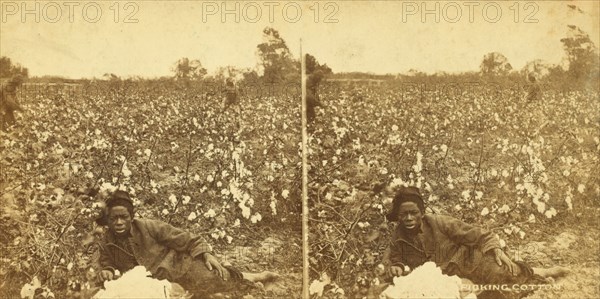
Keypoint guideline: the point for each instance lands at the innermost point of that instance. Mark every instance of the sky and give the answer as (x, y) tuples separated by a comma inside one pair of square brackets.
[(145, 38)]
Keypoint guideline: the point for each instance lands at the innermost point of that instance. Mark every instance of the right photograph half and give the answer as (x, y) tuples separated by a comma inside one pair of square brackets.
[(453, 150)]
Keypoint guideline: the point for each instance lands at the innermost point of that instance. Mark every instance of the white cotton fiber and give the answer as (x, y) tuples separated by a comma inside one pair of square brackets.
[(136, 283), (426, 281)]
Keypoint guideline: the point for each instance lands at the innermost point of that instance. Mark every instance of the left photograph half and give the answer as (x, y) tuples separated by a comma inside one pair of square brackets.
[(148, 150)]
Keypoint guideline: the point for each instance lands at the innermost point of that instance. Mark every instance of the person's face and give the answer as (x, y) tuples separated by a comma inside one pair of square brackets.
[(119, 220), (11, 87), (409, 215)]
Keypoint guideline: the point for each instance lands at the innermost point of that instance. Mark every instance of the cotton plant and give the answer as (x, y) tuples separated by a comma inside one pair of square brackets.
[(273, 204), (257, 217)]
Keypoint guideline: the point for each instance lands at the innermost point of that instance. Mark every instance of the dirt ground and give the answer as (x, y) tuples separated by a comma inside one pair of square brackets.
[(577, 249), (270, 254)]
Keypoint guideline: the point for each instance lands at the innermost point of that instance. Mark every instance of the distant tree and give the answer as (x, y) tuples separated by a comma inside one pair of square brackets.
[(9, 69), (250, 76), (495, 64), (539, 68), (582, 55), (275, 58), (111, 77), (316, 72), (186, 69), (416, 73), (225, 72), (312, 65)]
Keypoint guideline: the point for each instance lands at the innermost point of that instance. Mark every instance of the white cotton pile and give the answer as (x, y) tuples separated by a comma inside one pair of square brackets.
[(135, 283), (426, 281)]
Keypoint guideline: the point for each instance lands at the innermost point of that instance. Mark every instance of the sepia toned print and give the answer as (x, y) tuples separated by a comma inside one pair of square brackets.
[(299, 149), (150, 155), (454, 154)]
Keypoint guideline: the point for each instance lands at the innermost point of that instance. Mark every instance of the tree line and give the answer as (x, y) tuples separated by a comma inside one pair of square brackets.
[(275, 64)]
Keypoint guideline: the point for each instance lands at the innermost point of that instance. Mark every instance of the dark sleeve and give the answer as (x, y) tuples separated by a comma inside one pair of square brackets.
[(466, 234), (393, 256), (106, 260), (2, 97), (312, 100), (177, 239)]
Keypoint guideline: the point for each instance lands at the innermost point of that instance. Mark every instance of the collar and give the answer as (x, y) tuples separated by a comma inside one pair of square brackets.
[(124, 236)]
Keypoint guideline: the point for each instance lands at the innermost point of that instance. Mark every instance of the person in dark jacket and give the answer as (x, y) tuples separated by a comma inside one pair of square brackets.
[(231, 97), (456, 247), (534, 94), (312, 94), (534, 104), (165, 251), (9, 103)]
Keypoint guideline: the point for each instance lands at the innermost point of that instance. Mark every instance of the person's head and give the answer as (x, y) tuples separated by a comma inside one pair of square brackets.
[(408, 208), (119, 212), (14, 82), (531, 77)]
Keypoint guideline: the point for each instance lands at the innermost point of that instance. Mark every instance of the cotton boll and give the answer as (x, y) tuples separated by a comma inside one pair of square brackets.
[(417, 284), (210, 214), (317, 286), (245, 210), (173, 199), (256, 218), (485, 212), (550, 213), (145, 286)]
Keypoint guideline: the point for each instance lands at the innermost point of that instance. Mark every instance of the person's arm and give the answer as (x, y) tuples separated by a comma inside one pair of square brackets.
[(466, 234), (393, 259), (107, 264), (178, 239)]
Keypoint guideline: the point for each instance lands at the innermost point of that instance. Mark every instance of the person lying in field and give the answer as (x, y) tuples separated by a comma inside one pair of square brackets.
[(456, 247), (165, 251)]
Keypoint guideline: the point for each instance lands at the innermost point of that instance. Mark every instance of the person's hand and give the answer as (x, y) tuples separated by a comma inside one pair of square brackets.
[(396, 271), (106, 275), (211, 263), (501, 259)]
